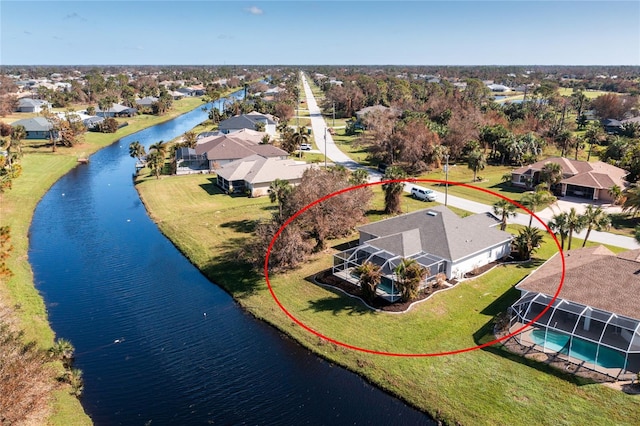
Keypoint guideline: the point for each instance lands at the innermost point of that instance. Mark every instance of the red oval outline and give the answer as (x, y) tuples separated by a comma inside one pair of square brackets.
[(400, 354)]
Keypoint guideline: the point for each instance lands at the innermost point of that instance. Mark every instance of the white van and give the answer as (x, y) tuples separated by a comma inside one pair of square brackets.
[(424, 194)]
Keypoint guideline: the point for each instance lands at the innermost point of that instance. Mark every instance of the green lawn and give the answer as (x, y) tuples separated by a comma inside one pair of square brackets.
[(479, 387), (41, 169)]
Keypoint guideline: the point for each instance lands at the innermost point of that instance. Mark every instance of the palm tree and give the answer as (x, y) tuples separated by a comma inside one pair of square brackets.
[(393, 190), (189, 139), (160, 147), (535, 199), (63, 350), (527, 242), (617, 194), (476, 161), (370, 276), (575, 223), (595, 217), (559, 225), (632, 201), (409, 276), (14, 147), (299, 138), (551, 174), (504, 210), (136, 150), (279, 190), (155, 161), (359, 177)]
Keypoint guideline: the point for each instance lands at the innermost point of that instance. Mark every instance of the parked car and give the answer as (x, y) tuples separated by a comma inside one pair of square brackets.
[(424, 194), (305, 147), (382, 167)]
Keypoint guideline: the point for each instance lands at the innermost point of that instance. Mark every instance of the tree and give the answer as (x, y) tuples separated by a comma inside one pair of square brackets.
[(279, 190), (617, 194), (108, 125), (551, 174), (476, 161), (358, 177), (559, 225), (594, 217), (5, 251), (369, 279), (63, 350), (575, 223), (527, 242), (155, 161), (136, 150), (160, 146), (611, 105), (299, 137), (535, 199), (260, 126), (504, 210), (393, 190), (632, 201), (190, 139), (409, 276)]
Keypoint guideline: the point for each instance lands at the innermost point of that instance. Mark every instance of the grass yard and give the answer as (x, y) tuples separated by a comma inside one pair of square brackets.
[(480, 387), (41, 169)]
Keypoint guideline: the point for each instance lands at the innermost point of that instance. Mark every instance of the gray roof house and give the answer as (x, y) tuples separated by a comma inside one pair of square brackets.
[(117, 110), (36, 127), (595, 320), (32, 105), (437, 238), (255, 174), (147, 101), (248, 121)]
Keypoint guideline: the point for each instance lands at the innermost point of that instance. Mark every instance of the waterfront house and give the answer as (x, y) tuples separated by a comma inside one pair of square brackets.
[(249, 121), (117, 110), (438, 239), (146, 102), (36, 127), (595, 321), (253, 175), (590, 180)]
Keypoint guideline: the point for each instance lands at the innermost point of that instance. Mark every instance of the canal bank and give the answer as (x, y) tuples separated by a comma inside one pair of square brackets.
[(156, 340)]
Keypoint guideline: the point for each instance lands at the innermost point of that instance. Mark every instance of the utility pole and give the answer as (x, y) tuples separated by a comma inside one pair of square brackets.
[(325, 147), (446, 178), (334, 115)]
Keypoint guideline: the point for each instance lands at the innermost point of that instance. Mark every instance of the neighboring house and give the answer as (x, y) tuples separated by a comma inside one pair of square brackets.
[(189, 162), (32, 105), (176, 95), (204, 135), (117, 110), (437, 238), (498, 88), (256, 173), (92, 121), (36, 127), (590, 180), (146, 102), (223, 149), (611, 126), (595, 321), (189, 91), (248, 121)]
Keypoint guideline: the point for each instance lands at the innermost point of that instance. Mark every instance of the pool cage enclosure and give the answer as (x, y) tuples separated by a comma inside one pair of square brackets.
[(345, 263), (596, 339)]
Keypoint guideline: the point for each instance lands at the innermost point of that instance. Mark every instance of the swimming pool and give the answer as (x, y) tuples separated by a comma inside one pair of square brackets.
[(580, 349)]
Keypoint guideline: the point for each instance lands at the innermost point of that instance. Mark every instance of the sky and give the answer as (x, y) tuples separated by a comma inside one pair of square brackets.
[(208, 32)]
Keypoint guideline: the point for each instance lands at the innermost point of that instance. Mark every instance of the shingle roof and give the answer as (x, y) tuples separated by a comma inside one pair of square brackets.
[(35, 124), (594, 277), (236, 145), (442, 232), (596, 174), (258, 169), (245, 121), (29, 102)]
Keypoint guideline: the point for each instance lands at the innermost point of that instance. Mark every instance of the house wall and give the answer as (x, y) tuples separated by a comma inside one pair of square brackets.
[(460, 267), (37, 135)]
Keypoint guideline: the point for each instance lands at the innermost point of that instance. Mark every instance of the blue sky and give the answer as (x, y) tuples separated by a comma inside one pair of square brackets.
[(327, 32)]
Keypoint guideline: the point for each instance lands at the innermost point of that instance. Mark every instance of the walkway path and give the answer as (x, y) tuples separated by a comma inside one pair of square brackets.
[(325, 143)]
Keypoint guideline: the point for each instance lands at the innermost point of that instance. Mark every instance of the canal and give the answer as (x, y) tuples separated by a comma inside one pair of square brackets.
[(157, 342)]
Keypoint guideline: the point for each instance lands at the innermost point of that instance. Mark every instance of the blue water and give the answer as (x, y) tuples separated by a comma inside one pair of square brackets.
[(581, 349), (134, 308)]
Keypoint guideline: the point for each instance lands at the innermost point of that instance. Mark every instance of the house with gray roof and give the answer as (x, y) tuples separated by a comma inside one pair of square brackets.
[(255, 174), (438, 239), (117, 110), (36, 127), (594, 322), (32, 105), (146, 102), (249, 121)]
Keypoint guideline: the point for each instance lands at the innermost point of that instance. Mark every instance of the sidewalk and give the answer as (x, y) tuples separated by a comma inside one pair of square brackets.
[(325, 143)]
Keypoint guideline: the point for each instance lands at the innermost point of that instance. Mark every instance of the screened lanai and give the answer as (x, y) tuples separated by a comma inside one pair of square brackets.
[(594, 338), (345, 262)]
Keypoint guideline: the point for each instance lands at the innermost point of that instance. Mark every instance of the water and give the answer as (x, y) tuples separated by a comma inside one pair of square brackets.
[(135, 308), (580, 349)]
